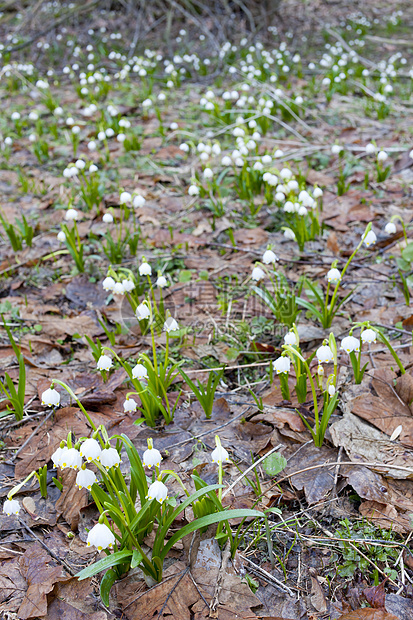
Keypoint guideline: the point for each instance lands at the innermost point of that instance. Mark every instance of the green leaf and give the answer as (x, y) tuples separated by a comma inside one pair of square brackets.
[(209, 520), (136, 558), (107, 582), (119, 557), (407, 253), (274, 463), (185, 275)]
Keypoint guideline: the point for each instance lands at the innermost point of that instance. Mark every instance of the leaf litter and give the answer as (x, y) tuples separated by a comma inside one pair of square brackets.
[(364, 468)]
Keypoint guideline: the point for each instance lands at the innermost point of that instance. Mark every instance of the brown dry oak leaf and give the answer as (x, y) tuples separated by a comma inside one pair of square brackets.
[(26, 581), (368, 614)]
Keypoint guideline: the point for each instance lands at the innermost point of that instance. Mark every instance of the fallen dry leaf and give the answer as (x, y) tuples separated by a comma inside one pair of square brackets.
[(368, 614), (362, 441), (376, 595), (376, 401), (27, 580)]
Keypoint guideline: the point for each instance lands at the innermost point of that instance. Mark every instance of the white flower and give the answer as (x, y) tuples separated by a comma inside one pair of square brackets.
[(226, 160), (370, 148), (71, 214), (368, 335), (318, 192), (93, 168), (51, 398), (207, 174), (138, 201), (80, 164), (91, 146), (290, 338), (108, 284), (15, 116), (257, 274), (333, 276), (369, 239), (101, 537), (390, 228), (75, 130), (125, 197), (289, 234), (90, 450), (184, 147), (11, 507), (145, 269), (269, 257), (220, 455), (382, 156), (170, 325), (109, 132), (286, 173), (139, 372), (158, 491), (61, 236), (8, 141), (161, 282), (121, 137), (193, 190), (281, 364), (142, 311), (58, 455), (129, 405), (71, 458), (350, 344), (109, 457), (104, 362), (118, 289), (128, 285), (324, 354), (85, 478), (336, 149), (147, 103), (331, 390), (151, 458), (107, 218)]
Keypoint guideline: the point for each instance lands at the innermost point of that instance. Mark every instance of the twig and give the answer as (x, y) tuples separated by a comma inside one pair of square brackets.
[(250, 468), (273, 580), (218, 586), (38, 427), (52, 553)]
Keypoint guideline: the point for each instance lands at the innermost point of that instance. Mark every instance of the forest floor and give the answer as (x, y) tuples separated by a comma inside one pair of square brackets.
[(260, 194)]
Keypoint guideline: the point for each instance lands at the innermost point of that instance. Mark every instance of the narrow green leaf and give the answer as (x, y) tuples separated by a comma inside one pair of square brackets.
[(208, 520), (114, 559), (107, 582), (136, 558)]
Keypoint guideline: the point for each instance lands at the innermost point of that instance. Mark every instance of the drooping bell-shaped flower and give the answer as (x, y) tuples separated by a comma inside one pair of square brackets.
[(11, 507), (368, 335), (109, 457), (101, 537), (142, 311), (139, 372), (219, 455), (290, 338), (158, 490), (324, 354), (281, 364), (51, 398), (104, 362), (90, 450), (350, 344), (85, 478)]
